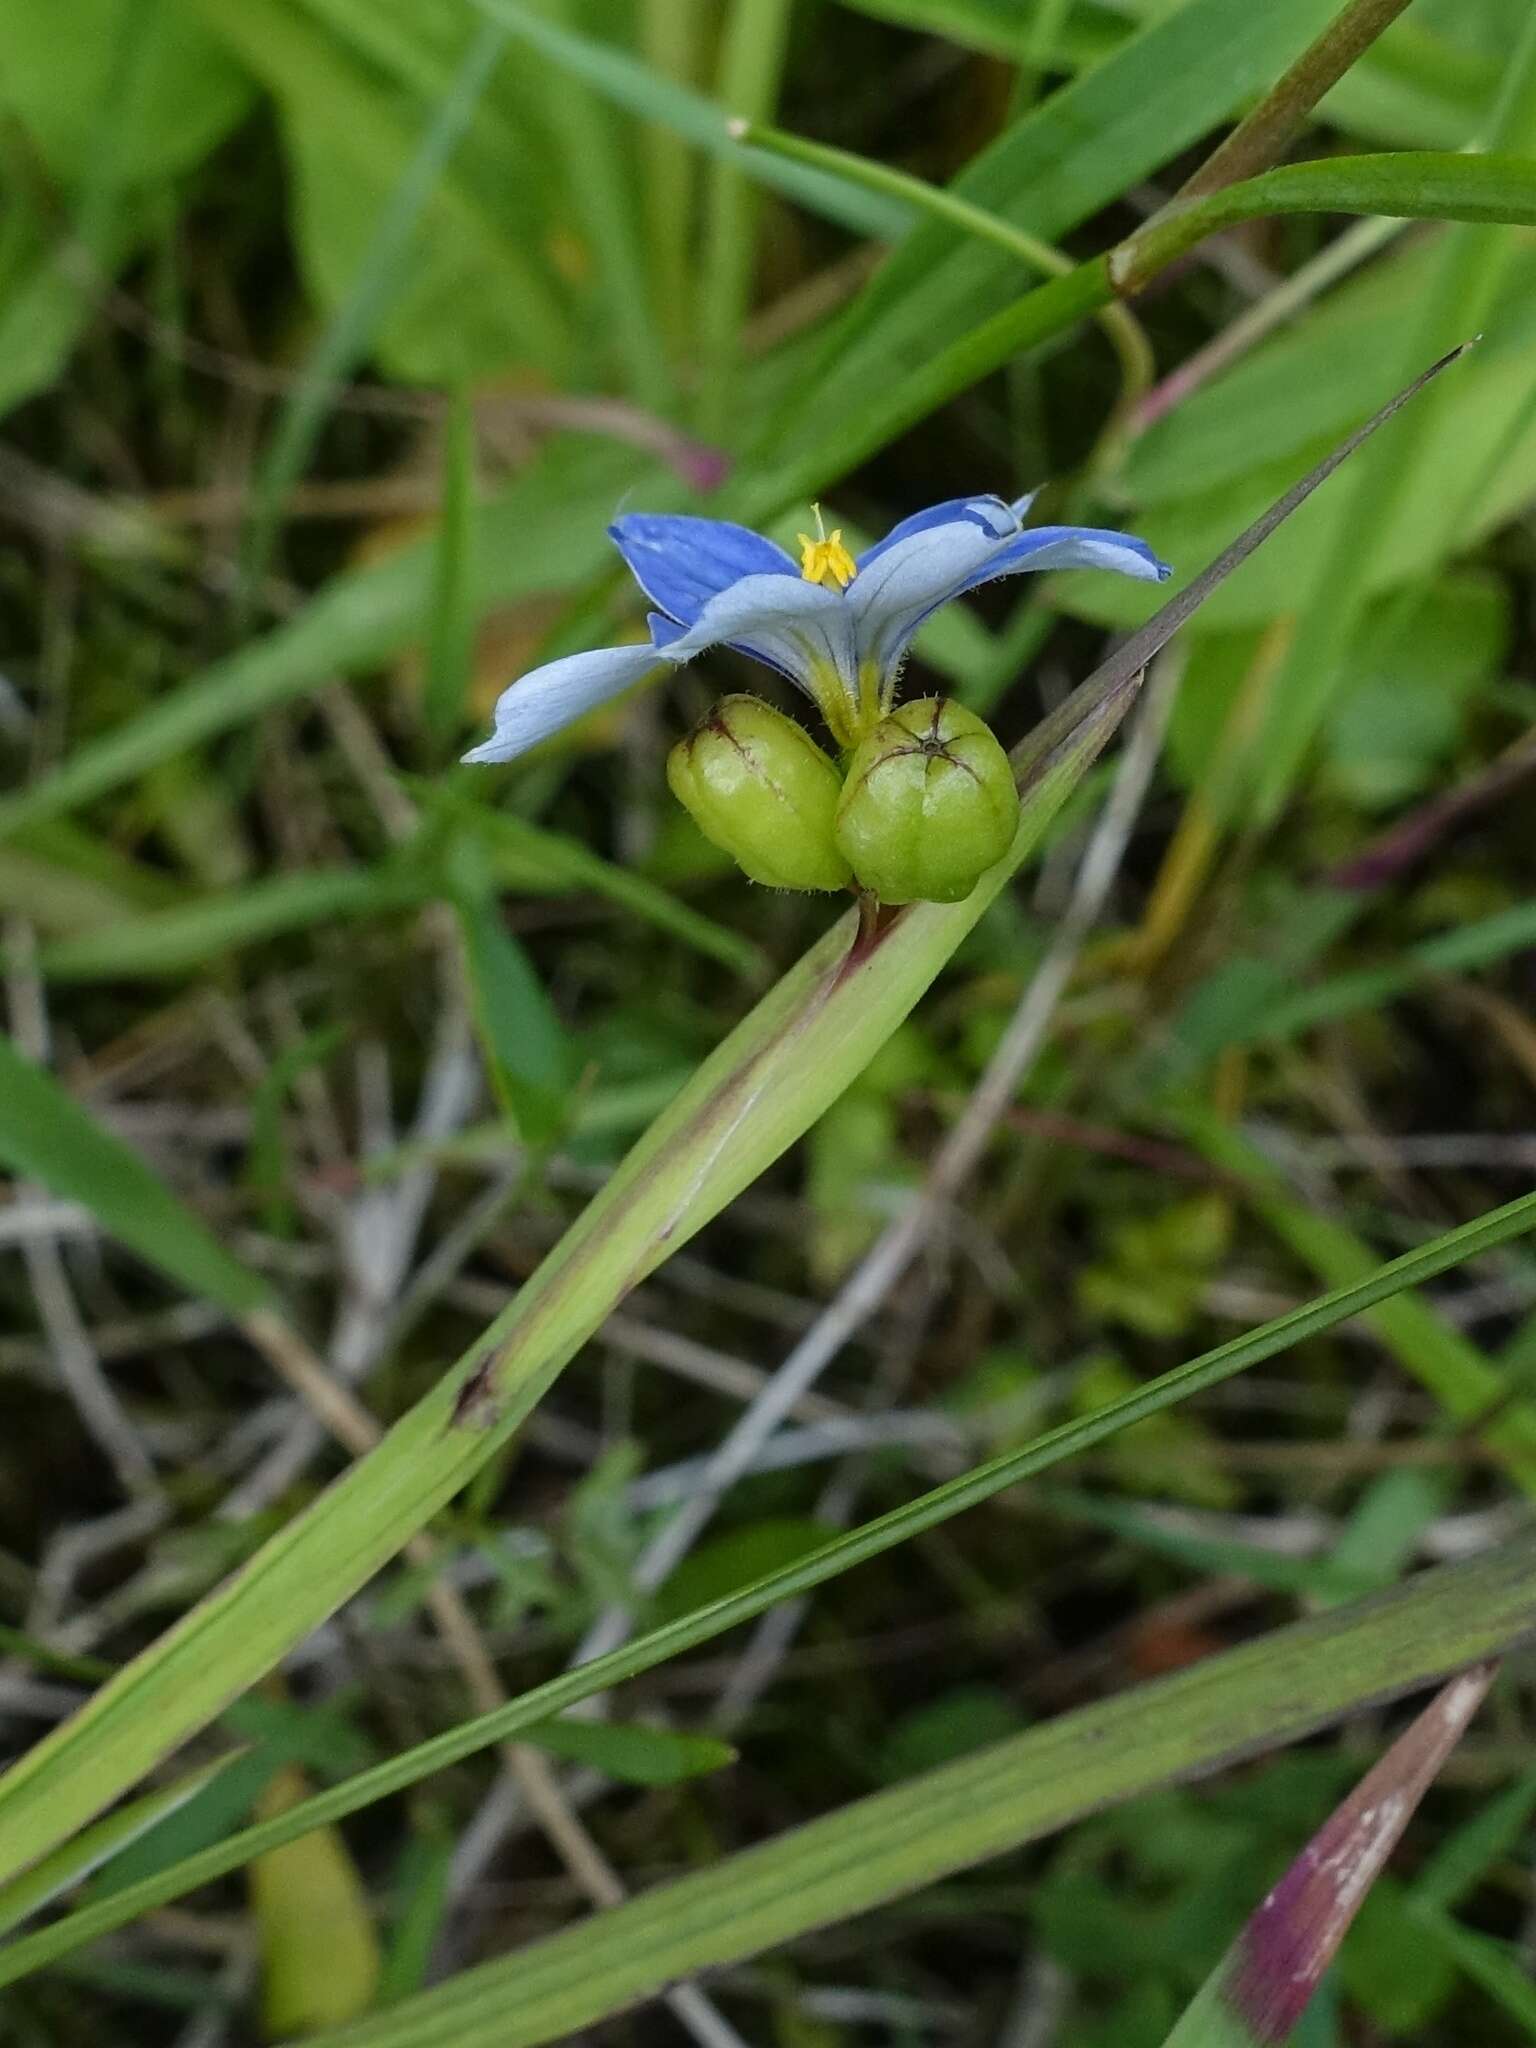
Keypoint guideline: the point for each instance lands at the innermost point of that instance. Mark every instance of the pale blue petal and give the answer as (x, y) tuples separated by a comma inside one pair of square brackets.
[(911, 579), (802, 629), (681, 563), (548, 698), (1078, 547), (991, 514), (797, 627)]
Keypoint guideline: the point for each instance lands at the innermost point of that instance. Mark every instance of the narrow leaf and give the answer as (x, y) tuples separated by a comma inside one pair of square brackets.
[(1405, 184), (186, 938), (1258, 1992), (629, 83), (524, 1041), (98, 1845), (1460, 1862), (46, 1135), (1468, 1388), (450, 646), (1408, 185), (1494, 1966), (1063, 161), (1261, 136), (347, 338), (422, 1883), (531, 857), (632, 1754)]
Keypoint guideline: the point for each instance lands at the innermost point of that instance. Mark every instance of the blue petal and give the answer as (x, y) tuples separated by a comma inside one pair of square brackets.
[(541, 702), (797, 627), (681, 563), (665, 632), (992, 515), (1077, 547), (912, 577), (802, 629)]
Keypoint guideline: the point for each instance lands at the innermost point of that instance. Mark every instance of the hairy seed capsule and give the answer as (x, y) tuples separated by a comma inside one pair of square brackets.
[(929, 804), (760, 789)]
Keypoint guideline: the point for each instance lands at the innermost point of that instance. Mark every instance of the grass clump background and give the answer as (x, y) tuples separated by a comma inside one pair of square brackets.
[(923, 1547)]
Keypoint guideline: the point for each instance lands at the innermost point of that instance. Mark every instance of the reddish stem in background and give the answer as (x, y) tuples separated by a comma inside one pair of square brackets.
[(1388, 855)]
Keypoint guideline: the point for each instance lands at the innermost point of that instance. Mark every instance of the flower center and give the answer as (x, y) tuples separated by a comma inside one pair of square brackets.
[(825, 560)]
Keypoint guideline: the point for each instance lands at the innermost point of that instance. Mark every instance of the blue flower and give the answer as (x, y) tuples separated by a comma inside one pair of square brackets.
[(839, 628)]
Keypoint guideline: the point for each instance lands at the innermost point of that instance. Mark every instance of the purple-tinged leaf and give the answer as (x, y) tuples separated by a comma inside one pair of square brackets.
[(1386, 858), (1258, 1992)]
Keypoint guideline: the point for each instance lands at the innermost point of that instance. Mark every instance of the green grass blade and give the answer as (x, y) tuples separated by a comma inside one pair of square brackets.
[(887, 406), (531, 1061), (55, 896), (46, 1135), (523, 856), (1461, 1862), (1492, 1965), (1400, 184), (602, 184), (1479, 943), (1258, 1992), (762, 1089), (629, 83), (95, 1846), (347, 336), (1438, 1356), (1123, 330), (187, 939), (631, 1754), (672, 35), (937, 202), (451, 640), (751, 64), (876, 1538), (1319, 1578), (525, 1048), (1261, 136), (1423, 185), (1271, 1691), (531, 857), (1469, 268)]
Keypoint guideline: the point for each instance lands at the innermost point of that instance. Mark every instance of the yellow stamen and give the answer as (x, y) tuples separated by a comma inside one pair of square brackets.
[(825, 560)]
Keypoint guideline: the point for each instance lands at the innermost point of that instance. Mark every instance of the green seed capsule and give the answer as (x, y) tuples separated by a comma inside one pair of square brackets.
[(928, 806), (758, 786)]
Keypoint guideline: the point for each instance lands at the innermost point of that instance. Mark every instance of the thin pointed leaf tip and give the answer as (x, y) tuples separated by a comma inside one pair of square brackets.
[(1256, 1996)]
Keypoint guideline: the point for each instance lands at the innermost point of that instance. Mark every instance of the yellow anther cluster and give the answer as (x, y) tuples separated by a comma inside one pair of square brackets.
[(826, 560)]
